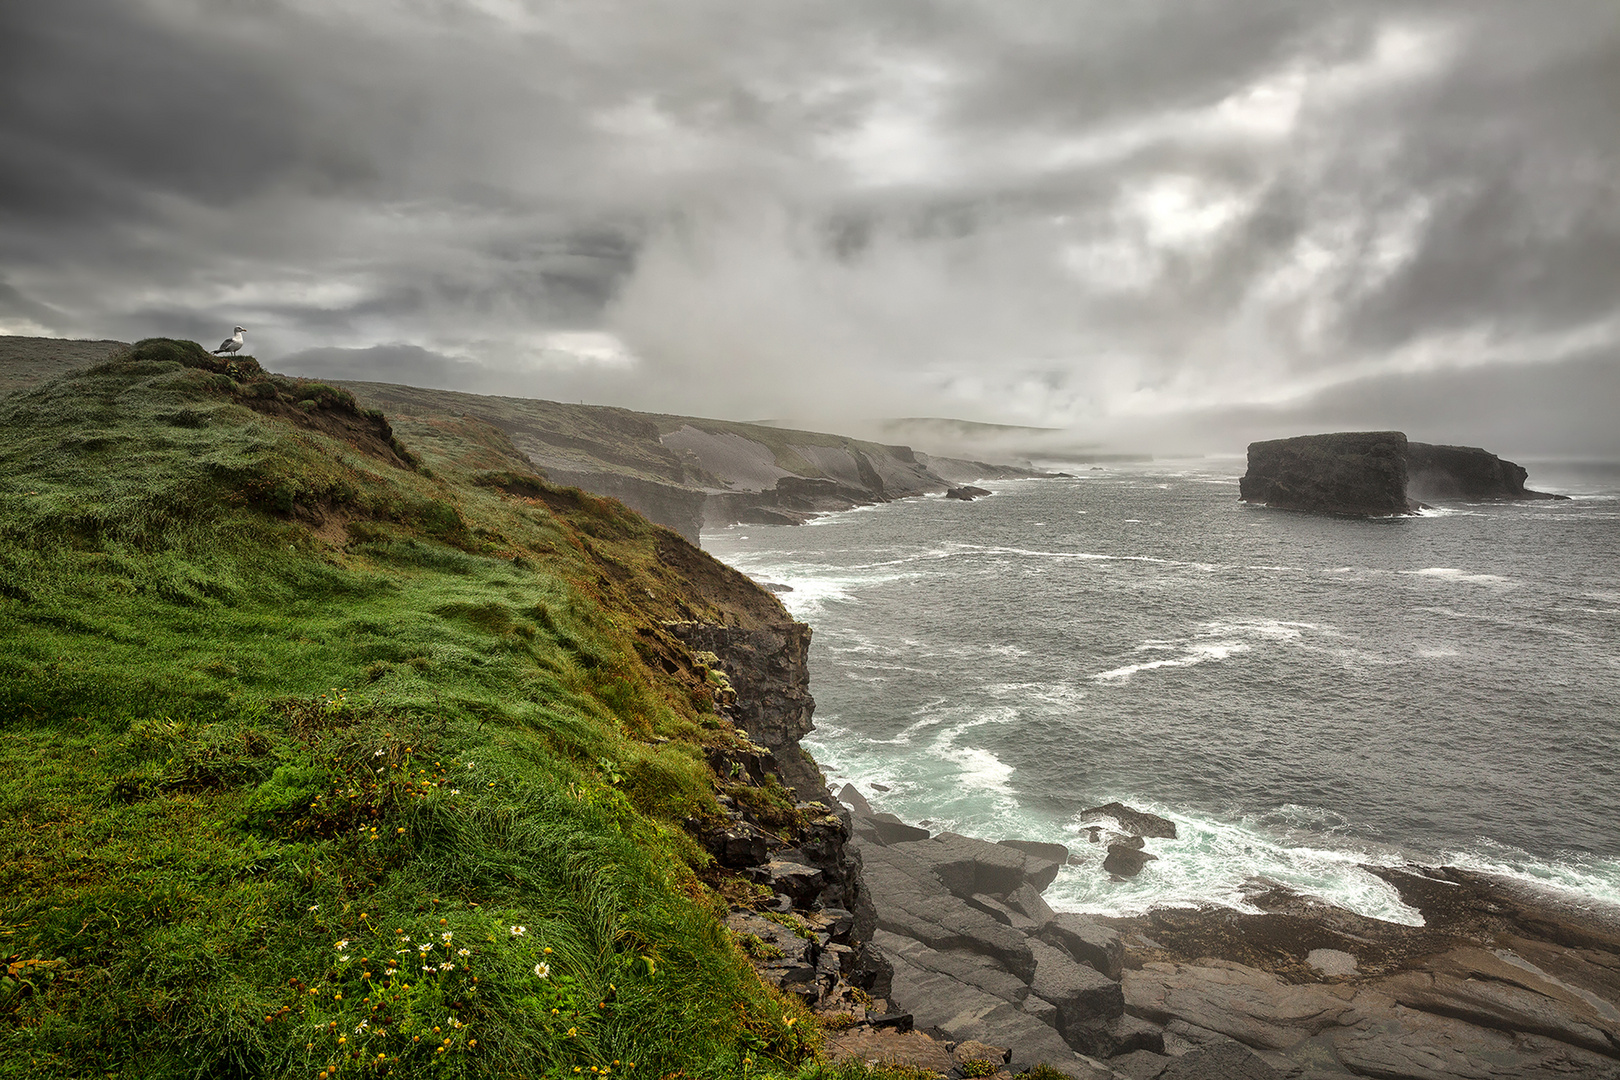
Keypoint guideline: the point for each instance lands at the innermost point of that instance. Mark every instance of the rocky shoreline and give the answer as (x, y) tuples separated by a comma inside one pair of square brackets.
[(937, 950)]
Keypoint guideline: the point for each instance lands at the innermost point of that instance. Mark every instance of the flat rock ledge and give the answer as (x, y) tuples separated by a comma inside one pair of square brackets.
[(1498, 982)]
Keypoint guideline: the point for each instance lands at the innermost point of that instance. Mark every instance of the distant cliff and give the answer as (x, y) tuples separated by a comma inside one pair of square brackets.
[(1375, 474)]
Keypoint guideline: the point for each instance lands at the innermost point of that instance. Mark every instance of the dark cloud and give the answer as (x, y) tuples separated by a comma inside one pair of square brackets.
[(1125, 218)]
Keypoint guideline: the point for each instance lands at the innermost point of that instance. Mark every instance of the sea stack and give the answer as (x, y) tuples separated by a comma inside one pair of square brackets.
[(1375, 474)]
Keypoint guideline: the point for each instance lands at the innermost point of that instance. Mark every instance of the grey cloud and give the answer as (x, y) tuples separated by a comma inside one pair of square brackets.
[(1052, 212)]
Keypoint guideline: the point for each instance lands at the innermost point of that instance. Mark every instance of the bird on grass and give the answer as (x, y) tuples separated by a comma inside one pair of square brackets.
[(232, 343)]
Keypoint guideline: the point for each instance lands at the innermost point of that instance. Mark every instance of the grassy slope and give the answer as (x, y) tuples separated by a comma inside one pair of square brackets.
[(285, 723)]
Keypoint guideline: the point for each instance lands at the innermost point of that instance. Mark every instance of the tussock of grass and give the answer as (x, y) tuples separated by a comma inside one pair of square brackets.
[(273, 701)]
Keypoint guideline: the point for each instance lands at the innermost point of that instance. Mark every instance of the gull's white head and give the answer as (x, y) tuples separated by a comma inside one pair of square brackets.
[(241, 330)]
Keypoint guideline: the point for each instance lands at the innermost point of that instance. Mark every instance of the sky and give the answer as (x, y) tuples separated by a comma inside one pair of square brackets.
[(1160, 226)]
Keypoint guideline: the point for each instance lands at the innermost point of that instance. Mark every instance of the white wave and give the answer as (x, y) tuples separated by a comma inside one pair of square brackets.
[(1450, 573), (1214, 641), (1215, 862)]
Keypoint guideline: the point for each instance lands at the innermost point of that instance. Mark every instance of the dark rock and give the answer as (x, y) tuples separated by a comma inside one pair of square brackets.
[(1086, 941), (790, 877), (1140, 1064), (1120, 1035), (967, 1012), (1464, 472), (966, 968), (1041, 1009), (967, 865), (1126, 861), (1361, 473), (911, 901), (901, 1022), (852, 798), (1035, 868), (1000, 912), (1135, 822), (1082, 996), (967, 493), (885, 829), (740, 847), (1225, 1061), (1026, 901), (776, 587)]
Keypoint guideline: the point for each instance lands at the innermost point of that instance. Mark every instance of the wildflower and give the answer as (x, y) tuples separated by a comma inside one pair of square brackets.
[(425, 947), (469, 764), (363, 1025), (519, 931), (541, 971), (429, 968), (340, 946), (446, 936), (455, 791), (379, 753), (463, 952), (447, 967), (314, 907)]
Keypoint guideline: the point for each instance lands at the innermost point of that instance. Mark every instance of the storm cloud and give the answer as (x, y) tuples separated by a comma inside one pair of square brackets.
[(1168, 225)]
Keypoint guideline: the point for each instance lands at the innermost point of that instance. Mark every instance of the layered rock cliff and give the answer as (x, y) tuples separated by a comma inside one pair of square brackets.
[(1375, 474)]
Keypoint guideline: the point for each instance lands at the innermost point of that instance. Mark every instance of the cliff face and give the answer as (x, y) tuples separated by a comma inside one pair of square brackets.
[(1375, 474), (1363, 473), (1464, 472)]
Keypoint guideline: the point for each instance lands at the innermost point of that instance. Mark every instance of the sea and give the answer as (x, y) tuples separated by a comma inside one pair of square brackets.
[(1302, 695)]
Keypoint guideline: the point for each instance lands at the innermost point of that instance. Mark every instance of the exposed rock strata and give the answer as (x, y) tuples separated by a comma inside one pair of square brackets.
[(1375, 474)]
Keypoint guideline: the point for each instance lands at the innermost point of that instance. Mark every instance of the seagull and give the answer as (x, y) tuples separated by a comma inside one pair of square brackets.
[(231, 344)]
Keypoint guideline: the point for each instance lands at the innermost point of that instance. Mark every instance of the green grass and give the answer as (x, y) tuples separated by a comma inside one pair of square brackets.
[(268, 688)]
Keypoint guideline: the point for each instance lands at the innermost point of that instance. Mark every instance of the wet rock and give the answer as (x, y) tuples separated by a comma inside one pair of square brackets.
[(1086, 941), (741, 846), (1126, 861), (1135, 822), (967, 493)]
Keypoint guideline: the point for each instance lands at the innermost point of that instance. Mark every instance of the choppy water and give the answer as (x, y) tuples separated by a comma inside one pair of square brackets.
[(1301, 694)]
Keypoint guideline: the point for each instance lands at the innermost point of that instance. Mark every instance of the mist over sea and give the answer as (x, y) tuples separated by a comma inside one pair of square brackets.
[(1301, 694)]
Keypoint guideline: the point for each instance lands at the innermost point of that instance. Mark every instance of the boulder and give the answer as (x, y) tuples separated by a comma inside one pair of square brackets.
[(1027, 901), (1126, 861), (887, 829), (1135, 822), (1003, 914), (1082, 995), (852, 798), (1087, 941), (967, 493), (790, 877), (1041, 861), (740, 846)]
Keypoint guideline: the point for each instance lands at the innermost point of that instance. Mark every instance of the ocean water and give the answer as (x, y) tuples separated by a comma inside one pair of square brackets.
[(1301, 694)]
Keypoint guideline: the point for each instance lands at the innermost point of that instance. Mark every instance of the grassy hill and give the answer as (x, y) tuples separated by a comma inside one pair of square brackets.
[(326, 755)]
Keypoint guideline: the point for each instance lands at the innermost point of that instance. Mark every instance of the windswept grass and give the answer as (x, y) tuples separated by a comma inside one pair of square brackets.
[(319, 758)]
